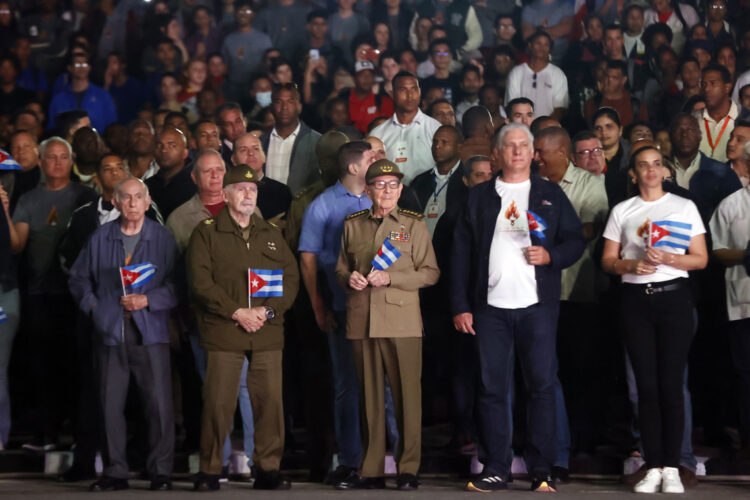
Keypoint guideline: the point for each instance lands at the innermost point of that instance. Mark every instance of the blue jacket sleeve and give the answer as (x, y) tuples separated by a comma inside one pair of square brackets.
[(164, 297)]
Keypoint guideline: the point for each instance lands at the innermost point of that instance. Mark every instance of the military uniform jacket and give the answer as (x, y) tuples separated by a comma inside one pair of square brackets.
[(218, 258), (386, 311)]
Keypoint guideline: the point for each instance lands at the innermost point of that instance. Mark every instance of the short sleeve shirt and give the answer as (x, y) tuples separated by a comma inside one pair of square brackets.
[(548, 88), (322, 228), (667, 224)]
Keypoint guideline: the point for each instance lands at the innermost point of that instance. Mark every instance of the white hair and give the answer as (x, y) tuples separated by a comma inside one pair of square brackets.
[(118, 188), (54, 139), (515, 126)]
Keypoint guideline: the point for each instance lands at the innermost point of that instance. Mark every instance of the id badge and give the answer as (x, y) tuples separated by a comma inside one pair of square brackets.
[(402, 152), (432, 210)]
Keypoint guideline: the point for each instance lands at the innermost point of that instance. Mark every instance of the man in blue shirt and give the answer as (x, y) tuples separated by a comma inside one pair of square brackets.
[(320, 243), (82, 94)]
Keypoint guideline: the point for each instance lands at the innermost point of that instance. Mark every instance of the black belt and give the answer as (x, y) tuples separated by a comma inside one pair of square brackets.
[(653, 288)]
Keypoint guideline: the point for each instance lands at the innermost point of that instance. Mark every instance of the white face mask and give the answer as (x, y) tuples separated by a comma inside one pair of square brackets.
[(263, 99)]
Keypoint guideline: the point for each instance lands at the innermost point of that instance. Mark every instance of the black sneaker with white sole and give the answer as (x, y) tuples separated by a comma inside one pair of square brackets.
[(487, 482)]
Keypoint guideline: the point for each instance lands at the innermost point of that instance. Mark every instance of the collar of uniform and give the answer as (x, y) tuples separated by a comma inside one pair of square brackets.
[(418, 119), (732, 114), (393, 214), (226, 224), (440, 176), (292, 135)]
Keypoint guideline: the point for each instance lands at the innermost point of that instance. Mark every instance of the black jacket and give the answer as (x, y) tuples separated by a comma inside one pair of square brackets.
[(475, 229)]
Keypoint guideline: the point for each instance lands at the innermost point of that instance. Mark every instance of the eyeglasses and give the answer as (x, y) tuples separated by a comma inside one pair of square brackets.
[(718, 7), (596, 152), (380, 185), (441, 53), (80, 65), (506, 27), (247, 12)]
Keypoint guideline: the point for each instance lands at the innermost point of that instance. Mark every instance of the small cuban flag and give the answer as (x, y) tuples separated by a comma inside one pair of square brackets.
[(7, 162), (667, 233), (537, 226), (265, 282), (386, 256), (3, 316), (136, 276)]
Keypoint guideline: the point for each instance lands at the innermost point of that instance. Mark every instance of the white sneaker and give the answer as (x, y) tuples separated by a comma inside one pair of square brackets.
[(670, 481), (650, 483)]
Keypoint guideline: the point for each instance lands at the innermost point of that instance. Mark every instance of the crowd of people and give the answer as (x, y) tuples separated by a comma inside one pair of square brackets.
[(356, 218)]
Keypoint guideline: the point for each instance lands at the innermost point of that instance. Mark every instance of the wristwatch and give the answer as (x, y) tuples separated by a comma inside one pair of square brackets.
[(270, 313)]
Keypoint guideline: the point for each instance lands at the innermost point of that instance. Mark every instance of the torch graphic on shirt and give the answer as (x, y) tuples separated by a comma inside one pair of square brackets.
[(512, 213)]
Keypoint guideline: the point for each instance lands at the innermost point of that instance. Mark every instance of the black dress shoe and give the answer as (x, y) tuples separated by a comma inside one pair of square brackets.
[(357, 482), (560, 474), (270, 480), (75, 474), (109, 484), (160, 483), (206, 482), (406, 482), (341, 473)]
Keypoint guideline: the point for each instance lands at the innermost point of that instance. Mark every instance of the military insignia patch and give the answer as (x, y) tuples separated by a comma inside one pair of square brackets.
[(400, 236), (208, 221)]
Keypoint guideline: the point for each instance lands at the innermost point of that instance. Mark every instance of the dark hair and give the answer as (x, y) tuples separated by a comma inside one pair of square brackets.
[(685, 60), (436, 27), (584, 135), (403, 74), (653, 30), (316, 13), (474, 119), (439, 41), (538, 33), (691, 102), (469, 165), (617, 64), (176, 114), (640, 150), (469, 68), (456, 132), (403, 51), (351, 152), (67, 119), (517, 100), (742, 89), (726, 77), (229, 105), (613, 27), (742, 123), (278, 87), (556, 133), (610, 113), (431, 108), (676, 118)]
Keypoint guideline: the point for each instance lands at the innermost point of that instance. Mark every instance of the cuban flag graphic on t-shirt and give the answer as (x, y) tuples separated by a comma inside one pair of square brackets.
[(667, 233)]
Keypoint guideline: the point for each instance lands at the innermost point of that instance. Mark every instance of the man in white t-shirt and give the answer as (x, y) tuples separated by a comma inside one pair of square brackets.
[(730, 230), (514, 237), (539, 80)]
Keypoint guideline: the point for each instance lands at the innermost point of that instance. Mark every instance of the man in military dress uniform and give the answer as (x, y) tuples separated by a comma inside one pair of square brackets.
[(384, 322), (235, 261)]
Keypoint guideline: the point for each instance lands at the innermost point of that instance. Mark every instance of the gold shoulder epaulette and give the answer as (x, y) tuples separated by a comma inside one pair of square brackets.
[(272, 224), (302, 193), (411, 213), (208, 221), (357, 214)]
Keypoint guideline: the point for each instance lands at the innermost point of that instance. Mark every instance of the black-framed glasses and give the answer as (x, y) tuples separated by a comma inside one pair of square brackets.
[(380, 185)]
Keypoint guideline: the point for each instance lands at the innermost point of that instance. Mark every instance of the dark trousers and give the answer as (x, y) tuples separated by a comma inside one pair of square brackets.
[(50, 329), (658, 331), (531, 332), (739, 338), (149, 366)]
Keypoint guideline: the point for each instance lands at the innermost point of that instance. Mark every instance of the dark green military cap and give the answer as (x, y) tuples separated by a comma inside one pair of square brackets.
[(382, 167), (240, 173)]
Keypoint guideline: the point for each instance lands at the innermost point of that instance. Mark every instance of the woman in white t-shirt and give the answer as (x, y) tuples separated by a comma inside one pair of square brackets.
[(652, 240)]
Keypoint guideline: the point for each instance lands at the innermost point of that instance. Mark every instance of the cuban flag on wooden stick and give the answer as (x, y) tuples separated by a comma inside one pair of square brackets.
[(537, 226), (666, 233), (3, 316), (265, 282), (386, 256), (136, 276), (7, 162)]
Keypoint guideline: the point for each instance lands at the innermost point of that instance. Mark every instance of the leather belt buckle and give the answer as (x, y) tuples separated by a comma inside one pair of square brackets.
[(649, 290)]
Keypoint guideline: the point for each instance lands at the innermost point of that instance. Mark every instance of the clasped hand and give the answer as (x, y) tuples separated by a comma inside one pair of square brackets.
[(250, 319), (375, 278)]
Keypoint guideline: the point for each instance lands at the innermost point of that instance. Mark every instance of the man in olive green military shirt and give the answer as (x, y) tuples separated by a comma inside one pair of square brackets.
[(384, 322), (234, 326)]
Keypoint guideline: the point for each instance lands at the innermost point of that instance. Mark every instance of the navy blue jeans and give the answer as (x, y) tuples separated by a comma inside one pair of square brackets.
[(531, 332)]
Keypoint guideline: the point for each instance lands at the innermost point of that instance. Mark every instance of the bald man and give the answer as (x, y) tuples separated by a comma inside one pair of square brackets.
[(172, 185)]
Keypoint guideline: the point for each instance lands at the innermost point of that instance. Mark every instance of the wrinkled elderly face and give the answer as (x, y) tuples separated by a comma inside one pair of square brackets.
[(132, 200), (384, 192), (57, 161), (589, 156), (208, 173), (242, 198)]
